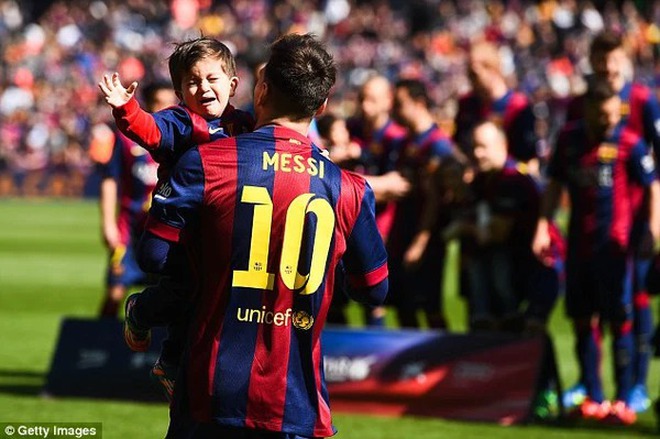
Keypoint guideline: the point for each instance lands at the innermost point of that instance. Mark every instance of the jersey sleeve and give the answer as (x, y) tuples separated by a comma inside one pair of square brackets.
[(137, 124), (522, 135), (557, 166), (441, 148), (176, 203), (642, 164), (365, 259), (112, 169), (176, 130), (651, 115)]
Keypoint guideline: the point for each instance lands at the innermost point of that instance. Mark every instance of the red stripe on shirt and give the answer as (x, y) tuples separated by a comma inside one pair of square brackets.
[(200, 128), (323, 425), (369, 279), (639, 95), (162, 230), (516, 104), (346, 211), (221, 176)]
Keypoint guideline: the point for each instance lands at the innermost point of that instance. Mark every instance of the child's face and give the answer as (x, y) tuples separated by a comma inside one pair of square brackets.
[(206, 88), (339, 135)]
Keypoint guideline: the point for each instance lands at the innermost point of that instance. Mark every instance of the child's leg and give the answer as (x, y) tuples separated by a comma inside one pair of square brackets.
[(160, 304)]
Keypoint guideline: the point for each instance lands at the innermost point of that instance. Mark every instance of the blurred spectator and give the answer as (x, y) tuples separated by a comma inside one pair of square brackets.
[(603, 166), (415, 248), (53, 51)]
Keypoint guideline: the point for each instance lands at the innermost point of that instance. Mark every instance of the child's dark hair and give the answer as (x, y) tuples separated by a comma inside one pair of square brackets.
[(186, 54), (605, 42), (324, 124), (300, 73), (149, 92), (599, 90), (416, 89)]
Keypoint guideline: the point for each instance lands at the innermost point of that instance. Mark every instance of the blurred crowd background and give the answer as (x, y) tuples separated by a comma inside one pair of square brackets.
[(53, 53)]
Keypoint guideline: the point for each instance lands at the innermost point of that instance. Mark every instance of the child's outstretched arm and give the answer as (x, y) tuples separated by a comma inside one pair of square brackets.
[(114, 92), (135, 123)]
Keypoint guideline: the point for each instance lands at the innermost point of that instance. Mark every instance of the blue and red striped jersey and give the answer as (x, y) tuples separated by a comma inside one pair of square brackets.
[(135, 173), (168, 133), (275, 217), (514, 114), (512, 193), (640, 112), (602, 179), (380, 154), (418, 158), (380, 148)]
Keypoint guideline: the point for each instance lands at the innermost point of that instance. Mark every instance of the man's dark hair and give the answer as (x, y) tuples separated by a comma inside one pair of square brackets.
[(299, 73), (416, 90), (599, 90), (150, 90), (186, 54), (605, 42)]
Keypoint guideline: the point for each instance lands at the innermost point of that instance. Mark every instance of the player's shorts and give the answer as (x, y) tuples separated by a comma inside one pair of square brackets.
[(601, 285), (418, 287), (542, 286), (123, 268), (642, 243), (197, 430)]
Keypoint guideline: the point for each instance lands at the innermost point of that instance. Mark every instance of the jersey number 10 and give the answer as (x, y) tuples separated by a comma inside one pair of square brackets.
[(257, 276)]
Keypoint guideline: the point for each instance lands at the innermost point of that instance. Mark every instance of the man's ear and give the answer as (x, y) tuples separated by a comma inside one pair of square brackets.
[(260, 93), (179, 95), (322, 108), (233, 85)]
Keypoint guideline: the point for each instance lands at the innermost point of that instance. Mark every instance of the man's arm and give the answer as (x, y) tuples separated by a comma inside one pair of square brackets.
[(108, 207), (132, 121), (175, 208), (389, 186), (109, 195), (549, 204), (654, 213), (365, 260)]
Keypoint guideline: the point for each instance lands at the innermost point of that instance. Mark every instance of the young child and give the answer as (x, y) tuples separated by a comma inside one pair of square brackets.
[(337, 140), (203, 73)]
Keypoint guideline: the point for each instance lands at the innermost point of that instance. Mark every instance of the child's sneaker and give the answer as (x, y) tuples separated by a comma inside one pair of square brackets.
[(574, 397), (639, 400), (621, 414), (165, 375), (137, 339)]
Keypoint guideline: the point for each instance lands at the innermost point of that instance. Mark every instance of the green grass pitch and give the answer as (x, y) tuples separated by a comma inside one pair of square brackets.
[(51, 266)]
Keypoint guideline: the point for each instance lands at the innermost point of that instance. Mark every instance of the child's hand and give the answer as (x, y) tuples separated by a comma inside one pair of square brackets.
[(115, 93)]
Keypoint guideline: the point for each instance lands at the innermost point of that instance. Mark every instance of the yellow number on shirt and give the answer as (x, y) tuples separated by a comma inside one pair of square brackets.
[(256, 275)]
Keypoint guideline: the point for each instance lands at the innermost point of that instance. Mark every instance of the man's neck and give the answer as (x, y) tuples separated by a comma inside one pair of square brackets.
[(496, 90), (301, 126), (422, 123), (378, 122)]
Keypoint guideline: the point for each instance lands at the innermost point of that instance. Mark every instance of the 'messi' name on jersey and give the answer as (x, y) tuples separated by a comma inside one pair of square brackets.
[(287, 162)]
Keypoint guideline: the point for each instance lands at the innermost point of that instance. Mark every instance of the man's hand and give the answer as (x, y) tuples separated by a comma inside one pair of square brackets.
[(414, 253), (115, 94), (542, 242), (111, 236)]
